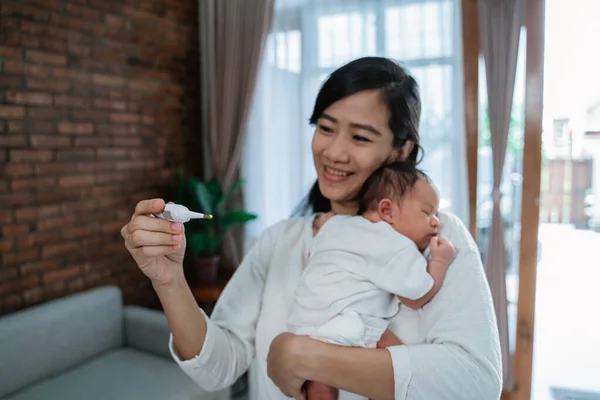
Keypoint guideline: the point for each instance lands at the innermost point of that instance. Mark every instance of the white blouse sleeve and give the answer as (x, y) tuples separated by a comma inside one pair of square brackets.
[(229, 344), (460, 358)]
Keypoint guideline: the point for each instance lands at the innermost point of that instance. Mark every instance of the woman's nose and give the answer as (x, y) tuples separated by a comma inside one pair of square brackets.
[(337, 150)]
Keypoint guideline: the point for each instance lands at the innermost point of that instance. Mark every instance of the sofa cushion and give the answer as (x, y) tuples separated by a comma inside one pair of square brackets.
[(50, 338), (147, 330), (121, 374)]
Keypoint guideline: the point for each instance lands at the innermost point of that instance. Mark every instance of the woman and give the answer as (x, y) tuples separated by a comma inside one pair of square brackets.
[(366, 114)]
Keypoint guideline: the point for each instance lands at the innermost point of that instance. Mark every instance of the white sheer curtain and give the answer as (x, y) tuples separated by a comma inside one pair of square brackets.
[(311, 38)]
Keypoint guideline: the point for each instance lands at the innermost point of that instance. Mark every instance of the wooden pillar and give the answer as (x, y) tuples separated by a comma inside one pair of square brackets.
[(470, 44), (532, 157)]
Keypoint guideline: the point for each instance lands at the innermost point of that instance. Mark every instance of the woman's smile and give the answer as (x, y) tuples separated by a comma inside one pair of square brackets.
[(335, 175)]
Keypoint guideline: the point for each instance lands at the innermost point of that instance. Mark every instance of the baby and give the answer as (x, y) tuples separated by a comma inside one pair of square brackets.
[(361, 268)]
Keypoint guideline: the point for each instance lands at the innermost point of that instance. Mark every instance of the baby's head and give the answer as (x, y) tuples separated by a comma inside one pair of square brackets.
[(404, 197)]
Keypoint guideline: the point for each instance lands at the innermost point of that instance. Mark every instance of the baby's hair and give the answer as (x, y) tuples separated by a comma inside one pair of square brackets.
[(391, 181)]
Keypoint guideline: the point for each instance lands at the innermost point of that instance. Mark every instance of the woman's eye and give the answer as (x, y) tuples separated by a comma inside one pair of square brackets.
[(361, 138), (325, 129)]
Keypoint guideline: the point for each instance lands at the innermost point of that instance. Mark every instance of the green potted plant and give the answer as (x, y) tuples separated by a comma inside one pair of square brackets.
[(204, 237)]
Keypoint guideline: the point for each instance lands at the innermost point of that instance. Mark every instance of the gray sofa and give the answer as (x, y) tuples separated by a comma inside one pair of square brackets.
[(89, 346)]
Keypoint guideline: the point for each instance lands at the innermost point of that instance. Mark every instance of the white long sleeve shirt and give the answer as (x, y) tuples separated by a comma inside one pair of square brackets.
[(451, 350)]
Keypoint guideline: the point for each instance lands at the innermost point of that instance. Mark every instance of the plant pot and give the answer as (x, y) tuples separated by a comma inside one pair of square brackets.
[(206, 269)]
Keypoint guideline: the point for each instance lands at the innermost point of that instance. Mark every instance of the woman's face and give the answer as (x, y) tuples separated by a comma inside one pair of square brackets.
[(351, 141)]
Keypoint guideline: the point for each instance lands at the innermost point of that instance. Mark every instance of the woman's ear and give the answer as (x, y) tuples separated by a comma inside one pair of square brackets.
[(404, 151), (386, 210)]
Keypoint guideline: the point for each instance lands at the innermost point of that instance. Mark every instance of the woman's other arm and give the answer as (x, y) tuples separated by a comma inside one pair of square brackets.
[(294, 359)]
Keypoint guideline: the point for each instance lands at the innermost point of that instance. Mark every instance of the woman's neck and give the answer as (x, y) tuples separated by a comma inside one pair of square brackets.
[(344, 208)]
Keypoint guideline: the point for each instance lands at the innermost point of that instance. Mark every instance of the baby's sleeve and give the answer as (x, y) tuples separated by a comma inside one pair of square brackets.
[(406, 274)]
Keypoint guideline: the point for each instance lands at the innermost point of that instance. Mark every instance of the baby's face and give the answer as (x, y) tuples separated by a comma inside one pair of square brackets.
[(416, 217)]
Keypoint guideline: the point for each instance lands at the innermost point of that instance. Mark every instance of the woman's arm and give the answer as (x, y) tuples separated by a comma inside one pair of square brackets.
[(216, 351), (317, 360), (158, 248), (462, 348), (186, 321), (295, 359)]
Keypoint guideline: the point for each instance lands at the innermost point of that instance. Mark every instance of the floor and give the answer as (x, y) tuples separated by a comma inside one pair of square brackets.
[(567, 325)]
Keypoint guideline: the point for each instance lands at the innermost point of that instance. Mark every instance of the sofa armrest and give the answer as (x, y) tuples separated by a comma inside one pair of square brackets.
[(147, 330)]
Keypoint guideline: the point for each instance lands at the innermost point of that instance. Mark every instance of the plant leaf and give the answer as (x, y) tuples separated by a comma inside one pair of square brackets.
[(202, 243), (235, 217), (197, 242), (202, 195), (232, 190), (214, 188)]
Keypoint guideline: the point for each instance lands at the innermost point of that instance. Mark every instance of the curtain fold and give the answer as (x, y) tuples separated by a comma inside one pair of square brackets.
[(232, 35), (500, 24)]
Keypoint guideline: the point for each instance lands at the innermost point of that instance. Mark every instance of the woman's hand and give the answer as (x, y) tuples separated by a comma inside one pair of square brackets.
[(295, 359), (156, 245), (284, 364)]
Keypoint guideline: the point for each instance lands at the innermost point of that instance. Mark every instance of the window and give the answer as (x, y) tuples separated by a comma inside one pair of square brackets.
[(344, 36), (419, 31), (283, 50), (310, 39)]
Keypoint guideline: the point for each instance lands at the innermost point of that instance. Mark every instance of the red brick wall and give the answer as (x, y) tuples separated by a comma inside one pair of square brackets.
[(98, 100)]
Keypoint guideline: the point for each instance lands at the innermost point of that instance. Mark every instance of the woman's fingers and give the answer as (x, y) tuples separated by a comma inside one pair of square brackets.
[(156, 245), (151, 206), (141, 238), (154, 251), (145, 231), (153, 224), (282, 365)]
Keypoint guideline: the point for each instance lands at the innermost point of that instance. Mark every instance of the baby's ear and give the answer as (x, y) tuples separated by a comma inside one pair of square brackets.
[(386, 210)]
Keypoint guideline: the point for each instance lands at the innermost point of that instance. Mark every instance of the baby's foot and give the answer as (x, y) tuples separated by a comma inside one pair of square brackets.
[(320, 391)]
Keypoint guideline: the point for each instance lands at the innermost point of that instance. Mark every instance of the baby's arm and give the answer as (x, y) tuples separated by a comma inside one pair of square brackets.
[(442, 254), (437, 270)]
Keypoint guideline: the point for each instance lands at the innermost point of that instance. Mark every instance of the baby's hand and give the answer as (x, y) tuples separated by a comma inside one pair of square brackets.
[(442, 250)]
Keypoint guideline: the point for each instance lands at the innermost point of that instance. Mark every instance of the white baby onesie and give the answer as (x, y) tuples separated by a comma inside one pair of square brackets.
[(355, 270)]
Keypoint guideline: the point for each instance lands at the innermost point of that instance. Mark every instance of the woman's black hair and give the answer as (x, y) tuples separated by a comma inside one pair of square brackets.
[(400, 93)]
